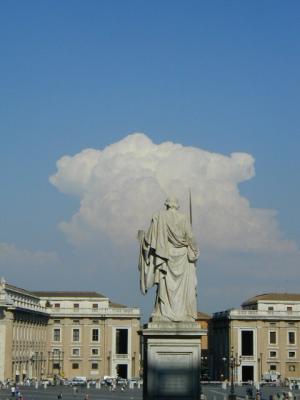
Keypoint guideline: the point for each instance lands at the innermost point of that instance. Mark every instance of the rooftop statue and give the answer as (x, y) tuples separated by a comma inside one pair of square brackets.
[(168, 256)]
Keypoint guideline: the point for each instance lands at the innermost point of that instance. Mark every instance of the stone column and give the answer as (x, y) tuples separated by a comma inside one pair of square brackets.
[(8, 344)]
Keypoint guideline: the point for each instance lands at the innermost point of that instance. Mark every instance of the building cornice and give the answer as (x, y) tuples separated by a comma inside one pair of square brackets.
[(101, 313), (258, 315)]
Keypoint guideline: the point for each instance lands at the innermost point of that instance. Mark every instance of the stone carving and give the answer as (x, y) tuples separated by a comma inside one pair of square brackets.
[(168, 256)]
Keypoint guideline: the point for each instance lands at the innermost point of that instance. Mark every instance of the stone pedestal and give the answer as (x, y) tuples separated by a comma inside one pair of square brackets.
[(172, 354)]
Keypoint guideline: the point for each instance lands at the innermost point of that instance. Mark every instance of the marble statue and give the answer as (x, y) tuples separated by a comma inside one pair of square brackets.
[(168, 256)]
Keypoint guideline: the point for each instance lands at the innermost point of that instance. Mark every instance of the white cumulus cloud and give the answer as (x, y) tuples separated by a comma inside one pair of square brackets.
[(120, 186)]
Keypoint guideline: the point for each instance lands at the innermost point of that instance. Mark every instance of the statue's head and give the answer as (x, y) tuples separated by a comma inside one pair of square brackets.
[(172, 202)]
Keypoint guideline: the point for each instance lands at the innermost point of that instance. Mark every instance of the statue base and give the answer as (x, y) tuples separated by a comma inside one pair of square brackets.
[(172, 354)]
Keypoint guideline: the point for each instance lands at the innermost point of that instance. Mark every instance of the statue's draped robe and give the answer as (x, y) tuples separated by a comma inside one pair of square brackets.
[(167, 259)]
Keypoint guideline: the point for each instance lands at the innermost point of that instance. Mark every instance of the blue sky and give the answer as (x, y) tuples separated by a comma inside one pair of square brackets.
[(221, 76)]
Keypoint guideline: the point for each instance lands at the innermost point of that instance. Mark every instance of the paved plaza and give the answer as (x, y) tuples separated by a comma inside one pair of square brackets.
[(211, 392), (51, 393)]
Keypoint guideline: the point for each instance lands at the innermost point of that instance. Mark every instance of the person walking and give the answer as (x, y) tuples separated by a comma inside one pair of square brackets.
[(13, 390)]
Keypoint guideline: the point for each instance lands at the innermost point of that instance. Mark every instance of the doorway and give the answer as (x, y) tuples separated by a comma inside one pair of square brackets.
[(247, 373), (122, 371)]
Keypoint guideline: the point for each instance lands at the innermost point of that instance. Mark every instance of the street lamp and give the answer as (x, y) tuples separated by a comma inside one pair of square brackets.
[(58, 362), (234, 362), (224, 359), (62, 363), (57, 357)]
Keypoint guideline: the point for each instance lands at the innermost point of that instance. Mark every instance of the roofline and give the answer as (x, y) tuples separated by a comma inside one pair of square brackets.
[(260, 298), (203, 315), (8, 286), (69, 294)]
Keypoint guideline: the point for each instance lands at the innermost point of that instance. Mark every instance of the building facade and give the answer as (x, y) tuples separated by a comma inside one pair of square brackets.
[(23, 334), (47, 334), (263, 337), (90, 336)]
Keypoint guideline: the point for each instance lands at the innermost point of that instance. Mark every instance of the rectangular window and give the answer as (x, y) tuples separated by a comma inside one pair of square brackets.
[(75, 352), (56, 335), (94, 365), (292, 354), (291, 337), (247, 343), (95, 352), (272, 337), (56, 321), (273, 354), (75, 366), (95, 307), (56, 305), (56, 352), (76, 321), (270, 308), (121, 341), (56, 366), (76, 335), (76, 306), (95, 335), (289, 308), (273, 367)]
